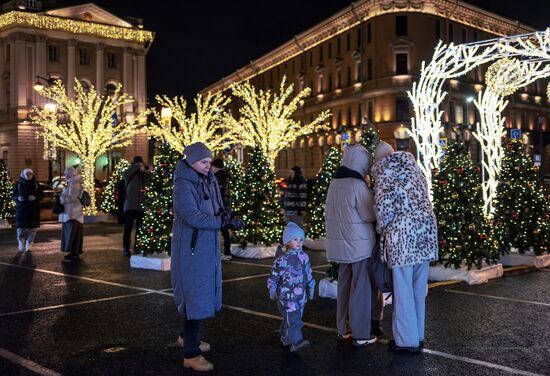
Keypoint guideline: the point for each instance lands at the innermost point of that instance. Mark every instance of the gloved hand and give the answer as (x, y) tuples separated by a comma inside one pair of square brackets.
[(235, 224), (21, 198), (32, 198), (273, 295)]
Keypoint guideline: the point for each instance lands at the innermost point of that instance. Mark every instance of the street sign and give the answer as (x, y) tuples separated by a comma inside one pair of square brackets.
[(443, 143), (537, 159), (515, 134), (345, 136)]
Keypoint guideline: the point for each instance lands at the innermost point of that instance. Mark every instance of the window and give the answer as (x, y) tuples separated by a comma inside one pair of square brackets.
[(452, 113), (369, 33), (474, 36), (369, 69), (270, 78), (348, 123), (302, 62), (8, 52), (349, 75), (464, 35), (338, 46), (400, 26), (459, 114), (348, 42), (339, 118), (451, 33), (112, 60), (84, 55), (293, 66), (329, 82), (329, 50), (359, 37), (370, 110), (320, 90), (85, 85), (110, 89), (310, 58), (437, 29), (359, 72), (402, 109), (320, 54), (339, 84), (53, 53), (359, 113), (401, 64)]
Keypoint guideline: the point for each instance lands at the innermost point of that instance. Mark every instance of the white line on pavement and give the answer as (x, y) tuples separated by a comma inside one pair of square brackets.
[(249, 263), (499, 298), (481, 363), (86, 279), (73, 304), (320, 266), (28, 364), (244, 278)]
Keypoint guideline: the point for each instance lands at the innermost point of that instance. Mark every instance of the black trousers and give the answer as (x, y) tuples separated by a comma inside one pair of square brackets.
[(226, 242), (191, 338), (129, 217)]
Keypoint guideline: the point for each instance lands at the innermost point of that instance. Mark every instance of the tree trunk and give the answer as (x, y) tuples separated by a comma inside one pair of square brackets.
[(88, 175)]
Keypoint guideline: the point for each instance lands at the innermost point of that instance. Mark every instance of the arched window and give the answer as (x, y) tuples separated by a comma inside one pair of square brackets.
[(110, 89), (85, 85)]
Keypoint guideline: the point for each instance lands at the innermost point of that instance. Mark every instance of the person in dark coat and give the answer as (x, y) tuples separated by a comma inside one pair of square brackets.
[(27, 195), (196, 266), (224, 182), (135, 179), (295, 197)]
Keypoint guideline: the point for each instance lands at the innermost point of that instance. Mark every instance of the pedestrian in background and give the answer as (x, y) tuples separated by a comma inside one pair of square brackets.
[(72, 233), (27, 195), (291, 283), (349, 218), (224, 182), (295, 197), (407, 224), (135, 179), (196, 266)]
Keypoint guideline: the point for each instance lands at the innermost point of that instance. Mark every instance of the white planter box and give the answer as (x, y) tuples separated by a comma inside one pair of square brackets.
[(315, 244), (4, 224), (514, 259), (472, 277), (254, 251), (152, 262)]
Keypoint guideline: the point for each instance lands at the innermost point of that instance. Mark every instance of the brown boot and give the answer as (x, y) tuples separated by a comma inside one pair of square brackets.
[(203, 346), (198, 363)]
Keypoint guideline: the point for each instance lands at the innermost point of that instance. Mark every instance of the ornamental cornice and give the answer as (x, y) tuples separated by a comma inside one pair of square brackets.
[(48, 22), (365, 10)]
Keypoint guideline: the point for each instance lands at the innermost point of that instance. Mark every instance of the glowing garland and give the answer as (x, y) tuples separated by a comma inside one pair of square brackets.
[(7, 205), (46, 22), (108, 203), (266, 118), (90, 131)]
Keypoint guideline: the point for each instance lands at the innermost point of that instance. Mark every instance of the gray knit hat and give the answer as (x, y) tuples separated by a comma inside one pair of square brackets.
[(195, 152)]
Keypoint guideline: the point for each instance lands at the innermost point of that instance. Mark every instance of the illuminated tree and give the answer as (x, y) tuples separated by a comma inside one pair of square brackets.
[(108, 202), (206, 124), (315, 222), (465, 236), (7, 205), (522, 213), (155, 236), (266, 118), (260, 207), (237, 183), (90, 130)]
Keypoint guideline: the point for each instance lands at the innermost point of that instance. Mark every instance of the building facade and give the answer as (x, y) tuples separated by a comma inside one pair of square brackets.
[(363, 60), (83, 42)]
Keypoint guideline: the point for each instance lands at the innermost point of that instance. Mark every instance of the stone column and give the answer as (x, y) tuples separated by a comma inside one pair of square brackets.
[(19, 74), (141, 97), (71, 63), (41, 63), (100, 68), (127, 84), (2, 69)]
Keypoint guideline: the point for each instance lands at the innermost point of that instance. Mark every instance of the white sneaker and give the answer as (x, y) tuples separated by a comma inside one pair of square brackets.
[(21, 245), (226, 258), (29, 246)]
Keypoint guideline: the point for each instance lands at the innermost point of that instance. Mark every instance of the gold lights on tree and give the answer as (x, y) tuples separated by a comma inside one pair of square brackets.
[(47, 22), (206, 124), (266, 118), (90, 129)]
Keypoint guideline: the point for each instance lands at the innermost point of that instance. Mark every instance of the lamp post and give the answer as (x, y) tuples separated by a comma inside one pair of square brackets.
[(39, 86)]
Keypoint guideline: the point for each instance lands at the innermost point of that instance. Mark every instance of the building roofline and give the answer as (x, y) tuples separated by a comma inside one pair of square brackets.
[(364, 10)]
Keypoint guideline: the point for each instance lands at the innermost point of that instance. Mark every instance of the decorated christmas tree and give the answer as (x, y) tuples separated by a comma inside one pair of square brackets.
[(7, 205), (237, 183), (155, 236), (370, 139), (315, 220), (465, 236), (260, 207), (522, 213), (108, 202)]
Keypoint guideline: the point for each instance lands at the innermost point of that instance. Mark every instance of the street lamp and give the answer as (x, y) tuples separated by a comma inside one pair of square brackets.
[(39, 86), (50, 107), (166, 116)]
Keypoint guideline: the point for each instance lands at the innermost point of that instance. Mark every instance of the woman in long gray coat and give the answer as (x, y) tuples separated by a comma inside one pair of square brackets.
[(196, 265), (407, 223), (349, 218), (72, 217)]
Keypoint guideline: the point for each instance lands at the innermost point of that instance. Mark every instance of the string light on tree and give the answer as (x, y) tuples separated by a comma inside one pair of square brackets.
[(108, 203), (7, 205), (206, 124), (90, 130), (267, 118)]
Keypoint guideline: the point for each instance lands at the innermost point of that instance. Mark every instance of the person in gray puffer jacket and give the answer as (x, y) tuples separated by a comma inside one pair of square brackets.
[(408, 228), (349, 218)]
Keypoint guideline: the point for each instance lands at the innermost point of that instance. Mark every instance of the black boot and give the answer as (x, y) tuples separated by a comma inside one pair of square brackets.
[(376, 328)]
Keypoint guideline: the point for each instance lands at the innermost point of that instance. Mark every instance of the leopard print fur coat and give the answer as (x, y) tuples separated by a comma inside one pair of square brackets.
[(404, 211)]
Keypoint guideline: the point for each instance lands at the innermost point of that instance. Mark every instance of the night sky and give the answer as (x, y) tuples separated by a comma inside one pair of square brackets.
[(199, 42)]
